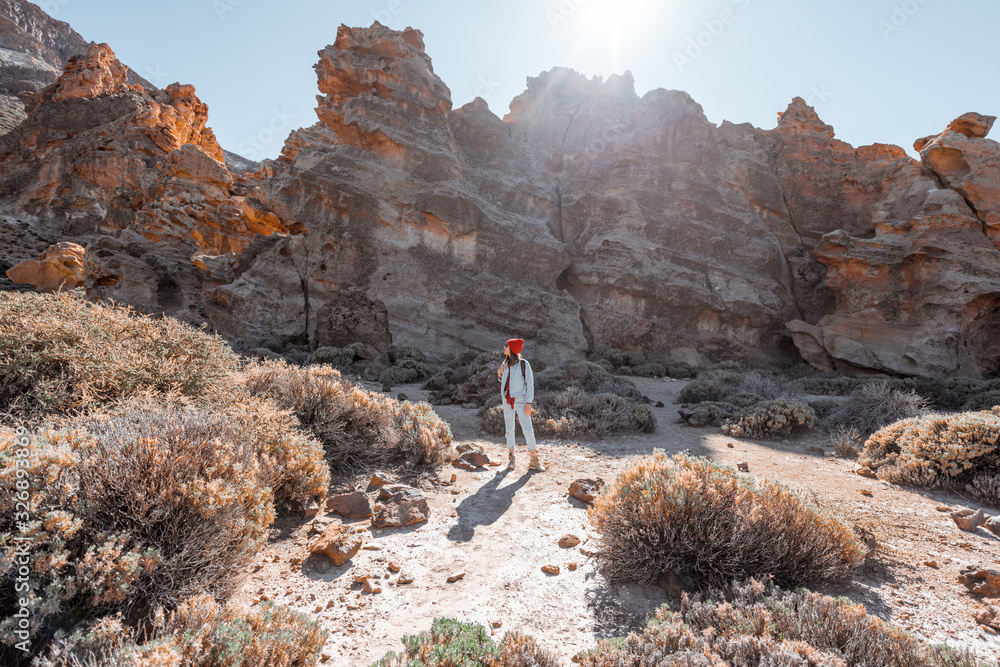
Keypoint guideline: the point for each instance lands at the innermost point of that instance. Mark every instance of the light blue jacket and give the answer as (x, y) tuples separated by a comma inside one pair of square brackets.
[(518, 387)]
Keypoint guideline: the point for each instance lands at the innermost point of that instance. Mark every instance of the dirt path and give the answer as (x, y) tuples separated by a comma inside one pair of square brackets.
[(499, 528)]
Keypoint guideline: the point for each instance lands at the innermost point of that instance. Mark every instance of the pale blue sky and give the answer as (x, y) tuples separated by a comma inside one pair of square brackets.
[(877, 70)]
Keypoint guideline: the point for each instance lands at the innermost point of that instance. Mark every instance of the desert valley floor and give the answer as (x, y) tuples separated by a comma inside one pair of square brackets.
[(498, 528)]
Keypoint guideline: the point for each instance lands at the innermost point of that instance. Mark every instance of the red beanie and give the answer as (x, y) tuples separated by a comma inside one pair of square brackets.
[(515, 345)]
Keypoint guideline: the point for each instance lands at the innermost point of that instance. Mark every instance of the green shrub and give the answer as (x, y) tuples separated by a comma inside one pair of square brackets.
[(720, 386), (405, 370), (935, 450), (709, 525), (710, 412), (594, 379), (681, 370), (777, 418), (339, 357), (754, 624), (61, 353), (471, 381), (358, 428), (954, 393), (650, 370), (451, 643), (398, 353), (200, 633), (877, 404), (713, 387)]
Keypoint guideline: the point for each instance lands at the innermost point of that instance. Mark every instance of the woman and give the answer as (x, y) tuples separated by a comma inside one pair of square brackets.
[(518, 391)]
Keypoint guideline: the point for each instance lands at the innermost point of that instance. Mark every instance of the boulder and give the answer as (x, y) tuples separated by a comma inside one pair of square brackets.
[(59, 268), (993, 525), (338, 543), (968, 520), (399, 505), (568, 540), (981, 582), (586, 489), (355, 504), (470, 457)]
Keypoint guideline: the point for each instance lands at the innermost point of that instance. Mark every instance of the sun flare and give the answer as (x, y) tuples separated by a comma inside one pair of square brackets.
[(615, 17)]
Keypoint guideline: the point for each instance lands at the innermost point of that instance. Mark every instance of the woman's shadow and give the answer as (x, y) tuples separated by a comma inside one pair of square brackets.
[(485, 506)]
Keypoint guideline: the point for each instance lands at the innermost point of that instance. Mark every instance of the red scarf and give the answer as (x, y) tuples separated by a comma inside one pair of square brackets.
[(506, 389)]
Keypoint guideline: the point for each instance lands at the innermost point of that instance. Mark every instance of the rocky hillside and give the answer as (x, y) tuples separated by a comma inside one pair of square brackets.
[(587, 216), (34, 48)]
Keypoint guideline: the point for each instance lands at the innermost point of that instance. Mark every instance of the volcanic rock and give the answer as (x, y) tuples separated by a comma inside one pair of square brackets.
[(470, 457), (59, 268), (399, 505), (918, 296), (338, 544), (981, 582), (586, 489), (355, 504), (968, 520), (98, 157)]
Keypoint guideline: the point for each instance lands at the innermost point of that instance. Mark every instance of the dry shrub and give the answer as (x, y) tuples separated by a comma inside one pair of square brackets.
[(145, 509), (199, 633), (778, 418), (935, 450), (357, 427), (847, 442), (983, 401), (292, 463), (574, 412), (59, 352), (105, 643), (721, 385), (709, 525), (986, 489), (829, 386), (877, 404), (451, 643), (755, 624)]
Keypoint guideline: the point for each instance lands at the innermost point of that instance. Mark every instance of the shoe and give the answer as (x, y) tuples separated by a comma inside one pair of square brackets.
[(536, 464), (510, 463)]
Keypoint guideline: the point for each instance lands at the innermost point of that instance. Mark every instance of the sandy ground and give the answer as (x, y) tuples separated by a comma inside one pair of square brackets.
[(499, 528)]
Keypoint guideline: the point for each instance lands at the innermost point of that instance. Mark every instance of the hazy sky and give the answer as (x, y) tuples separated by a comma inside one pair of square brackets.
[(877, 70)]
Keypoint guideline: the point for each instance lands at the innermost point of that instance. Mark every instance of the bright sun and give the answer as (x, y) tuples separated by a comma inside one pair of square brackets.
[(615, 17)]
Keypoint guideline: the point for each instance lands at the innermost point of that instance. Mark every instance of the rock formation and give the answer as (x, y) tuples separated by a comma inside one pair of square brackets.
[(59, 268), (920, 294), (587, 216), (414, 223), (138, 176), (34, 48)]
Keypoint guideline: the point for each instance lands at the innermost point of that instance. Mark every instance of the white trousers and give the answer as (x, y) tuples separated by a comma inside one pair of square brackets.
[(526, 427)]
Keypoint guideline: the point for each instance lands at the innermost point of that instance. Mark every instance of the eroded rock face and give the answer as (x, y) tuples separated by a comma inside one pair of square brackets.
[(139, 178), (34, 48), (586, 216), (415, 223), (921, 294), (97, 154)]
